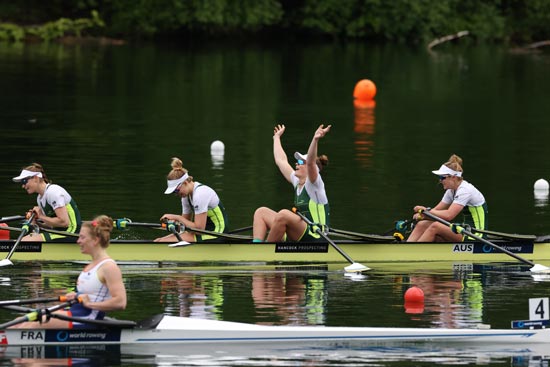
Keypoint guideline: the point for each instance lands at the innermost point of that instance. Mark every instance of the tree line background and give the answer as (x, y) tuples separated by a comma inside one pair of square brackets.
[(406, 21)]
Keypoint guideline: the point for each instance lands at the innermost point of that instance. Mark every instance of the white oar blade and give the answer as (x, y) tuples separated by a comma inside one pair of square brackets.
[(179, 244), (356, 268), (5, 262), (538, 268)]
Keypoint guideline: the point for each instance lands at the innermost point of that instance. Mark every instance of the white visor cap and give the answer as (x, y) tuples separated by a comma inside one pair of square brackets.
[(173, 184), (26, 174), (444, 170)]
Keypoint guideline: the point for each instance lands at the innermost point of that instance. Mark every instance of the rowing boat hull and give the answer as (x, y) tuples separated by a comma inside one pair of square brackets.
[(183, 330), (284, 252)]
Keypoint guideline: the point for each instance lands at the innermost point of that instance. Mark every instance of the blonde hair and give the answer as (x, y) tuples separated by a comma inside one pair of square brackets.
[(37, 167), (454, 163), (177, 170), (100, 227)]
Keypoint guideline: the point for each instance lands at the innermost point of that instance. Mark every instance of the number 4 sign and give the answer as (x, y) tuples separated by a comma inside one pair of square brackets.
[(538, 309)]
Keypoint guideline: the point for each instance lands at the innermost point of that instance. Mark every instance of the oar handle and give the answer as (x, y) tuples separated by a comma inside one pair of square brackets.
[(12, 218), (32, 300)]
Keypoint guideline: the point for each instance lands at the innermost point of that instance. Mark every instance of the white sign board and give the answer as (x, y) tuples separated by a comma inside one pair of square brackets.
[(538, 309)]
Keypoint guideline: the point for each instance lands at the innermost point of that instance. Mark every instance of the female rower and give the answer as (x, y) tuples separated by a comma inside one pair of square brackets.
[(310, 196), (460, 197), (56, 208), (202, 209), (99, 286)]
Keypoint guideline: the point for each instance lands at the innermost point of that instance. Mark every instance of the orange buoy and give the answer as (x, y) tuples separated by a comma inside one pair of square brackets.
[(414, 294), (365, 90), (4, 233), (414, 300)]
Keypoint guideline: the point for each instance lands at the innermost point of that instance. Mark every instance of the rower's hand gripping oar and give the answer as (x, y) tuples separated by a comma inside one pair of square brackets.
[(24, 230), (535, 268), (170, 226), (354, 267), (173, 228)]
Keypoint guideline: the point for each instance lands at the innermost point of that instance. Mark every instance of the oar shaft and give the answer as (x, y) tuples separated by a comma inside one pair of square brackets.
[(11, 218), (32, 316), (218, 234), (63, 233), (123, 223), (331, 242), (24, 231), (481, 239), (35, 315), (239, 230), (512, 236), (54, 231), (149, 225), (372, 237), (31, 300)]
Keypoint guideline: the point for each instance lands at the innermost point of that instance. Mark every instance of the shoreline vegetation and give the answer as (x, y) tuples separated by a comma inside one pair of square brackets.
[(524, 26)]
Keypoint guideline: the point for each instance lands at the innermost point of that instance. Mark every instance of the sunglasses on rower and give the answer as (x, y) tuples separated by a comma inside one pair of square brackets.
[(300, 162), (25, 180), (442, 178)]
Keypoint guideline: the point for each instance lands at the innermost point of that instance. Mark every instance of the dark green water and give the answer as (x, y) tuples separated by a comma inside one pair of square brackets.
[(105, 121)]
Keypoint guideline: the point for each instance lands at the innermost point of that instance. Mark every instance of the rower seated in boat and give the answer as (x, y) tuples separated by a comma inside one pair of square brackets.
[(55, 208), (310, 196), (460, 197), (201, 206), (100, 288)]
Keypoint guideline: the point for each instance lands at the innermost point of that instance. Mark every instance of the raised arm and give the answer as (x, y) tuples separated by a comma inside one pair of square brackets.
[(279, 154), (312, 169)]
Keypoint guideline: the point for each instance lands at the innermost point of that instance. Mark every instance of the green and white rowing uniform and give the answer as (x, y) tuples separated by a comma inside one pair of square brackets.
[(205, 199), (475, 210), (56, 197), (311, 200)]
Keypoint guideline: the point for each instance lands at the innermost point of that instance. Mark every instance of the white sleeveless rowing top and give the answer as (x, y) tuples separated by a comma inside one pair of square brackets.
[(89, 283)]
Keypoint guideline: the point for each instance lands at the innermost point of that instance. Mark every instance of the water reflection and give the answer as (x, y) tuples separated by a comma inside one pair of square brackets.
[(452, 303), (63, 355), (399, 354), (295, 300), (191, 295), (364, 123), (541, 198)]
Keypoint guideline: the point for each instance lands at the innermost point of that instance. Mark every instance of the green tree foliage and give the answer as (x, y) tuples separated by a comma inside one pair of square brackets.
[(150, 17), (50, 30), (396, 20), (403, 20), (528, 20)]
